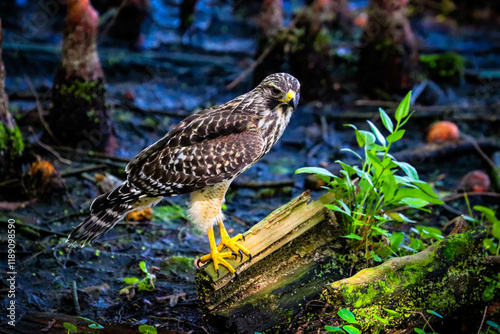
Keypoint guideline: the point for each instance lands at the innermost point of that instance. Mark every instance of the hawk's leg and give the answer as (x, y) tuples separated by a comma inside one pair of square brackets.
[(215, 255), (231, 243)]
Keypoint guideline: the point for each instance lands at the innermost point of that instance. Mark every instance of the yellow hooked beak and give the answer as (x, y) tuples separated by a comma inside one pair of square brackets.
[(290, 99)]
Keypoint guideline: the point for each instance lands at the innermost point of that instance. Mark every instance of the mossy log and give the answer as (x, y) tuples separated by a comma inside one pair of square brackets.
[(447, 278), (288, 248)]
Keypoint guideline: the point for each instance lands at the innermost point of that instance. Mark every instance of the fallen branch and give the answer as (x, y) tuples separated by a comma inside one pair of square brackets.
[(282, 270)]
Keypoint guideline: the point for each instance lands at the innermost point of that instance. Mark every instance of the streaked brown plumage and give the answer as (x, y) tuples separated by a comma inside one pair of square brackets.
[(201, 155)]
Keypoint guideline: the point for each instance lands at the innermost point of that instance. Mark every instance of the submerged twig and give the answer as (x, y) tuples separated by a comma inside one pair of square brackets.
[(39, 108), (74, 294)]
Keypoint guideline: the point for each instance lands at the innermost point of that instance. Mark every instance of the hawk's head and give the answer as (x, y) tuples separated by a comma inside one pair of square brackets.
[(280, 89)]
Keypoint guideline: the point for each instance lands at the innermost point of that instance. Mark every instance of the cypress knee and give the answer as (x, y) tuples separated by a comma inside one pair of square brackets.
[(11, 143), (270, 25), (388, 51), (78, 116)]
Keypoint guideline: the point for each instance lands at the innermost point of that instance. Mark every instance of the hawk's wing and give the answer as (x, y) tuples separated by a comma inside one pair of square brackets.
[(214, 145)]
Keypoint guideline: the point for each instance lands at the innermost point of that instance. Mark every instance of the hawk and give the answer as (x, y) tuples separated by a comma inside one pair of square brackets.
[(202, 155)]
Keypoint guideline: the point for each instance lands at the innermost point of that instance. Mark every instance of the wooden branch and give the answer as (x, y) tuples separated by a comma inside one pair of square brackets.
[(439, 152), (282, 270)]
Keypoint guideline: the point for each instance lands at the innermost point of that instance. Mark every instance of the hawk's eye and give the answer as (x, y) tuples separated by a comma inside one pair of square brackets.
[(275, 91)]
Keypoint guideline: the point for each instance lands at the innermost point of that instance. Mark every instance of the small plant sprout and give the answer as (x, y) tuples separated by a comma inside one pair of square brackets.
[(145, 284), (146, 329), (70, 327), (367, 194), (492, 244), (349, 317), (93, 325), (492, 327)]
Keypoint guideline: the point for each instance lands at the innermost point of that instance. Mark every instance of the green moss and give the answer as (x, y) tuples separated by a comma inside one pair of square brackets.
[(456, 248), (434, 279), (82, 89), (446, 67), (11, 138)]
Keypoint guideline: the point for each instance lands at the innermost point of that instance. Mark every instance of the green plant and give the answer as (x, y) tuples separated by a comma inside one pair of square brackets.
[(492, 325), (93, 325), (147, 283), (70, 327), (489, 243), (347, 316), (366, 194), (489, 291), (146, 329)]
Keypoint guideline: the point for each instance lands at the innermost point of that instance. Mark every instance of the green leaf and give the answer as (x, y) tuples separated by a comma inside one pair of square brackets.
[(351, 329), (415, 193), (429, 232), (406, 119), (142, 265), (377, 133), (490, 246), (380, 231), (369, 137), (70, 327), (334, 329), (314, 170), (352, 236), (399, 217), (347, 316), (403, 108), (492, 324), (350, 170), (409, 170), (395, 136), (352, 152), (360, 138), (435, 313), (95, 326), (419, 331), (386, 120), (426, 188), (488, 213), (146, 284), (335, 207), (392, 312), (131, 280), (345, 207), (382, 320), (389, 186), (496, 231), (375, 257), (89, 320), (415, 202), (145, 329), (395, 239)]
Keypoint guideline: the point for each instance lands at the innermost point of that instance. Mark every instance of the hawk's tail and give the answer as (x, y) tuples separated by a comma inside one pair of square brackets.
[(105, 211)]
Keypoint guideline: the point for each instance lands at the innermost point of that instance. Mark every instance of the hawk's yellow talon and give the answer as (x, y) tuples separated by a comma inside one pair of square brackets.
[(231, 243), (216, 255)]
